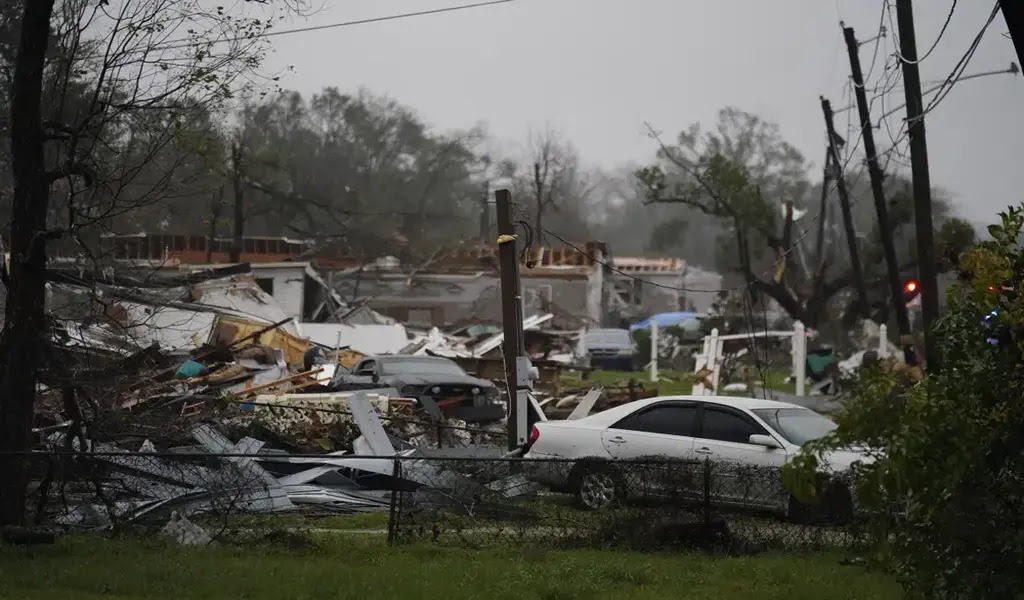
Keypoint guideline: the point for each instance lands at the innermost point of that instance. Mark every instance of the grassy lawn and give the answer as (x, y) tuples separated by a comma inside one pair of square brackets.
[(364, 568), (373, 521), (671, 383)]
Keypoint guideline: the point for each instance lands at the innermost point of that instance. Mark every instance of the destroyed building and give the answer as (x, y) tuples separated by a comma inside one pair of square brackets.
[(464, 285)]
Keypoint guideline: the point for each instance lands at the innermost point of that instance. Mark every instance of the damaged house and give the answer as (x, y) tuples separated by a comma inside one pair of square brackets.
[(464, 286)]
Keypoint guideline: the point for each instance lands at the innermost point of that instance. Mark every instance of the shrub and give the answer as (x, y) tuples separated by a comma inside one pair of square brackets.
[(945, 493)]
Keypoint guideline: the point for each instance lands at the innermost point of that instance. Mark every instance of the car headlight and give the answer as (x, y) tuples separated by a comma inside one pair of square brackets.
[(626, 352)]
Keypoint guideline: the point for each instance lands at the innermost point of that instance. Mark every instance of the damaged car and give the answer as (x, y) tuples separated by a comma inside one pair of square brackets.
[(431, 381)]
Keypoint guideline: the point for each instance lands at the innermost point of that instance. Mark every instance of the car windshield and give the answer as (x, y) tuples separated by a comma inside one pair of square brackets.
[(609, 336), (421, 367), (797, 425)]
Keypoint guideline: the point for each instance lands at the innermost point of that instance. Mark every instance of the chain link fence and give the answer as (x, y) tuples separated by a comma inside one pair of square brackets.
[(648, 504), (244, 490)]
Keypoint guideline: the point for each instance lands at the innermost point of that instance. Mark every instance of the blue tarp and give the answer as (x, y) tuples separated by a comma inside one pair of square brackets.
[(664, 320)]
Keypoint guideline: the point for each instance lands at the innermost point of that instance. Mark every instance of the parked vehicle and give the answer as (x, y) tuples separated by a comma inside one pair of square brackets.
[(458, 394), (731, 432), (611, 349)]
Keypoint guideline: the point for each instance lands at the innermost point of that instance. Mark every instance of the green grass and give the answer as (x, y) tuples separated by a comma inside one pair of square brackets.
[(364, 568), (672, 382), (360, 521)]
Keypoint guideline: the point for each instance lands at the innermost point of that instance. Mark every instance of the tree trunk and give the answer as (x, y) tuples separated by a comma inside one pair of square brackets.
[(239, 215), (24, 335), (215, 207), (538, 186)]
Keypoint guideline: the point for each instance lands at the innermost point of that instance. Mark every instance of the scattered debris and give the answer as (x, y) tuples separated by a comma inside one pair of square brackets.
[(184, 532)]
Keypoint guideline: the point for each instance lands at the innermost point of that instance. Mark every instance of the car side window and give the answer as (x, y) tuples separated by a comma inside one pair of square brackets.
[(727, 426), (674, 419)]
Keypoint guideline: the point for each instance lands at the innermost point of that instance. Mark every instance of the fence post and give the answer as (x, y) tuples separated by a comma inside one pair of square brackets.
[(799, 357), (654, 350), (707, 492), (701, 363), (883, 341), (715, 360), (394, 511)]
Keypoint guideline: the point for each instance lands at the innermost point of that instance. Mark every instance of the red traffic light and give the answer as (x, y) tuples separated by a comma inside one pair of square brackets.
[(910, 287)]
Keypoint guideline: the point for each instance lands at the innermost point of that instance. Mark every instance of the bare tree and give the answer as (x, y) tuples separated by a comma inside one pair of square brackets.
[(101, 93)]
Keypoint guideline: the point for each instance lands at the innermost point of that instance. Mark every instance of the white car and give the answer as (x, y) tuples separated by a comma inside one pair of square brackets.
[(746, 440)]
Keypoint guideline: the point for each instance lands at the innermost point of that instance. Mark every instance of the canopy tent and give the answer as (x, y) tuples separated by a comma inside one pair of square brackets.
[(687, 320)]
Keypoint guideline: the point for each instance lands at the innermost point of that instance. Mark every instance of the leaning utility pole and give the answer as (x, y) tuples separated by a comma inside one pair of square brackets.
[(512, 321), (1013, 12), (881, 209), (921, 180), (844, 202), (822, 214)]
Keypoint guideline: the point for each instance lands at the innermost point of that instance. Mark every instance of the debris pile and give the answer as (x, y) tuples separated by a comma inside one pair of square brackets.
[(215, 477)]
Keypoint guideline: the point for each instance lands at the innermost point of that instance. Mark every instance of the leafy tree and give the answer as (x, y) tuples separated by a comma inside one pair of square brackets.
[(745, 175), (945, 491), (357, 167)]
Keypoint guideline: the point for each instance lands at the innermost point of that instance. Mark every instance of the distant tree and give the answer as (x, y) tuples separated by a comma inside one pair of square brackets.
[(357, 167)]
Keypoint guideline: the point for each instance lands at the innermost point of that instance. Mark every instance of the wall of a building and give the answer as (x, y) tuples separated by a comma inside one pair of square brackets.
[(440, 300), (646, 299), (288, 287)]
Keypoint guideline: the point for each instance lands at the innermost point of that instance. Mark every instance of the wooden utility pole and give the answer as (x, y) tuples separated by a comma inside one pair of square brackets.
[(881, 209), (844, 202), (1013, 12), (922, 181), (822, 214), (511, 313)]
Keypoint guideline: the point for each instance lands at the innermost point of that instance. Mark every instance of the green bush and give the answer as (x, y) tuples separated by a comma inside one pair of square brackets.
[(945, 493)]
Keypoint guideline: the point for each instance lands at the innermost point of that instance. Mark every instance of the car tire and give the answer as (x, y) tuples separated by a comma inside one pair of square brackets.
[(596, 487)]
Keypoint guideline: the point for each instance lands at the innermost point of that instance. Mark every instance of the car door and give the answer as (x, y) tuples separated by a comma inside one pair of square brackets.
[(659, 439), (742, 473)]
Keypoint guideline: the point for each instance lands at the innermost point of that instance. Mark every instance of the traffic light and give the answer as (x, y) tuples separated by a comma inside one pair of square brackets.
[(910, 290)]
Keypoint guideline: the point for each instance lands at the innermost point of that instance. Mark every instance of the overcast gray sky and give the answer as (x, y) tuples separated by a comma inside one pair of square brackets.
[(597, 69)]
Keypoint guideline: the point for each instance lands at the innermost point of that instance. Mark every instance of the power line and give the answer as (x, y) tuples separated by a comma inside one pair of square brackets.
[(186, 43), (961, 65), (942, 32)]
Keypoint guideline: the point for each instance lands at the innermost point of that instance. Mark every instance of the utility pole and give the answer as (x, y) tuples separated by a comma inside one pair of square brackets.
[(881, 210), (512, 322), (485, 212), (822, 215), (922, 181), (844, 202), (1013, 12)]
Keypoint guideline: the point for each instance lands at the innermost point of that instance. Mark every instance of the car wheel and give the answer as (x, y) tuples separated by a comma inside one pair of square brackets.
[(597, 488)]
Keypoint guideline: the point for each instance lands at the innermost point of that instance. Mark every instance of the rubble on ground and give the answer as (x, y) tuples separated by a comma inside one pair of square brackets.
[(189, 395)]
